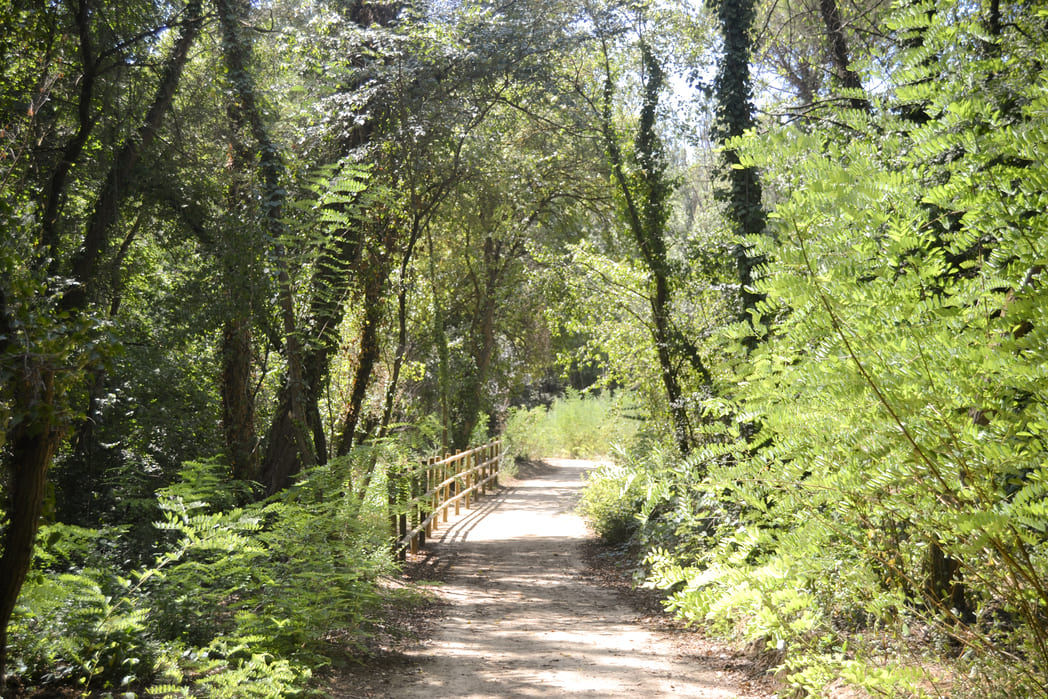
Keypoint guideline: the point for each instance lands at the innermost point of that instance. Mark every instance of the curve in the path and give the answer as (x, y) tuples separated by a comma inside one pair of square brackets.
[(524, 622)]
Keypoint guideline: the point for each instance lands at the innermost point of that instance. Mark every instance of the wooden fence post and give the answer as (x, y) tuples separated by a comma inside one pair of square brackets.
[(419, 498), (468, 477)]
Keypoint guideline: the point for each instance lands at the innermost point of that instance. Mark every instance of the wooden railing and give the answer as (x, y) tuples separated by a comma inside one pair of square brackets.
[(431, 489)]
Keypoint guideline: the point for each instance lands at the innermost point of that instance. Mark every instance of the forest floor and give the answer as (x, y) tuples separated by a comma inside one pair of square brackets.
[(528, 604)]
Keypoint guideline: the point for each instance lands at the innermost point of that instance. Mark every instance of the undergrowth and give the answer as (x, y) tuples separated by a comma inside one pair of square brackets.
[(868, 498), (575, 425), (240, 600)]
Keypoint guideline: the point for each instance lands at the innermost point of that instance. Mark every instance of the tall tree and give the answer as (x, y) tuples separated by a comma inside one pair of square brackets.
[(39, 370), (733, 95), (278, 465), (645, 187)]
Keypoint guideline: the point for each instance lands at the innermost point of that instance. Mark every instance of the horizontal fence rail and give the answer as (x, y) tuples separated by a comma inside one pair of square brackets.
[(425, 494)]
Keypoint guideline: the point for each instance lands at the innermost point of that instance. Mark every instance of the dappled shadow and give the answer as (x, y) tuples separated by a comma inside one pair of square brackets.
[(523, 621)]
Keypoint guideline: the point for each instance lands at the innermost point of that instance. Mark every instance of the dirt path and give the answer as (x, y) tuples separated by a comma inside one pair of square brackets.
[(524, 621)]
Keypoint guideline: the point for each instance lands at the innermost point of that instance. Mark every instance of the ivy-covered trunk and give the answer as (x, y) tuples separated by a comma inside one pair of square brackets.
[(280, 464), (846, 76), (733, 93), (645, 197)]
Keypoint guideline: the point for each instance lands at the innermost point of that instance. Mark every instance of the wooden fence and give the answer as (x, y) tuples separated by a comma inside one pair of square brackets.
[(426, 493)]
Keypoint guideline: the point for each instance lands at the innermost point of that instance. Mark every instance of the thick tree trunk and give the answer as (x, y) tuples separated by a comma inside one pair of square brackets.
[(734, 100), (238, 403), (849, 79), (280, 464), (32, 446)]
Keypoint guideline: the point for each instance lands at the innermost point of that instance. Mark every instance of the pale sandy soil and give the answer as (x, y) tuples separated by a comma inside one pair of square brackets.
[(523, 619)]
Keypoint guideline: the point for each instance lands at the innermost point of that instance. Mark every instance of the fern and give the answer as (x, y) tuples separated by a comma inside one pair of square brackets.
[(899, 406)]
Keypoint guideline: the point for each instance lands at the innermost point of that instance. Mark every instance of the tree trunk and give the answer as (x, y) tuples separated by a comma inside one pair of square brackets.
[(849, 79), (280, 464), (646, 214), (330, 286), (238, 402), (471, 393), (402, 331), (56, 189), (944, 588), (369, 353), (682, 432), (734, 103), (32, 446), (440, 339)]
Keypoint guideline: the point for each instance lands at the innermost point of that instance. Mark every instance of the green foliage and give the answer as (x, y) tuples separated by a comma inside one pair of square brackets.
[(610, 501), (241, 601), (641, 498), (208, 482), (230, 669), (575, 425), (87, 629), (892, 483)]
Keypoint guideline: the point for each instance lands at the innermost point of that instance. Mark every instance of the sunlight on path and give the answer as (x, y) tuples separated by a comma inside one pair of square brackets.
[(522, 621)]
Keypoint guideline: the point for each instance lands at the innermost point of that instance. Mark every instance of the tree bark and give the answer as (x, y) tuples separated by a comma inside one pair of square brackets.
[(849, 79), (33, 390), (330, 285), (402, 329), (32, 446), (279, 465), (944, 586), (470, 396), (734, 100), (238, 403), (374, 289)]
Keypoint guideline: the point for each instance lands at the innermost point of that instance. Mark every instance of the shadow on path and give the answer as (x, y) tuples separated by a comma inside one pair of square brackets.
[(523, 621)]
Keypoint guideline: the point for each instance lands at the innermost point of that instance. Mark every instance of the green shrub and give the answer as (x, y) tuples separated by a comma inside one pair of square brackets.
[(610, 502), (84, 629), (523, 435), (240, 602), (573, 426)]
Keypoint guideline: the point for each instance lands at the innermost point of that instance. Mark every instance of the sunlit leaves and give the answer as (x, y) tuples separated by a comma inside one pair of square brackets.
[(899, 394)]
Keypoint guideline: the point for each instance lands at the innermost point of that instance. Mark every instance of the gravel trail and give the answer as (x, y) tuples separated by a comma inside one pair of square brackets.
[(523, 620)]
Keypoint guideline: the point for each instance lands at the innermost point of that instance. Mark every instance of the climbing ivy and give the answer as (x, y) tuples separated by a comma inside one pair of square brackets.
[(900, 495)]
